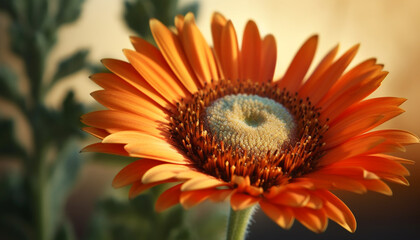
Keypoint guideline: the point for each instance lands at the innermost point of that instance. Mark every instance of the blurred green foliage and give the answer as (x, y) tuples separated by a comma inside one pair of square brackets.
[(32, 199)]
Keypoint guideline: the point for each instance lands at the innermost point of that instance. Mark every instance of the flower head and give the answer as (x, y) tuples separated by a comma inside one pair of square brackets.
[(216, 122)]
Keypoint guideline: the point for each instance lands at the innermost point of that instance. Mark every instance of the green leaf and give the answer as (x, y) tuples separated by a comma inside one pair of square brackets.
[(70, 65), (68, 11), (14, 8), (64, 172), (8, 84), (137, 15), (165, 10), (8, 143), (15, 212), (65, 232)]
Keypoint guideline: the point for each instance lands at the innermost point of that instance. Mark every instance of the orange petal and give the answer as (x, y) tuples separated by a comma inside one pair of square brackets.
[(354, 147), (314, 220), (179, 23), (352, 171), (268, 59), (323, 65), (315, 90), (353, 77), (352, 95), (218, 22), (370, 143), (133, 172), (221, 195), (202, 183), (251, 52), (240, 201), (360, 118), (189, 199), (97, 132), (377, 186), (396, 136), (156, 72), (163, 172), (292, 198), (338, 211), (114, 121), (198, 52), (144, 145), (327, 181), (300, 64), (130, 75), (281, 215), (117, 149), (396, 159), (230, 55), (374, 164), (126, 102), (314, 202), (171, 49), (395, 179), (168, 198), (110, 81)]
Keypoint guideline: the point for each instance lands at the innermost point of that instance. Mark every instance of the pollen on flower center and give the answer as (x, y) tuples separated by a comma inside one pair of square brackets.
[(252, 123)]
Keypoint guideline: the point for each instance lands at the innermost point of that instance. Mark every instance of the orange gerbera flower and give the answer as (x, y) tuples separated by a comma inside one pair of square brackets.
[(215, 121)]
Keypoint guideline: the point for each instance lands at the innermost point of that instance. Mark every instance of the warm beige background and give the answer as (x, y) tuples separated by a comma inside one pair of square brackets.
[(386, 29)]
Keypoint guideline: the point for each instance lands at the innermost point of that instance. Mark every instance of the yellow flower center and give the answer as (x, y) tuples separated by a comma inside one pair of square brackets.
[(252, 123)]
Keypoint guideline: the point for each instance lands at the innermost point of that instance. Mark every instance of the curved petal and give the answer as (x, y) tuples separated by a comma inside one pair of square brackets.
[(230, 54), (97, 132), (133, 172), (202, 183), (189, 199), (115, 100), (168, 198), (127, 72), (116, 149), (240, 201), (354, 76), (291, 198), (163, 172), (156, 72), (317, 88), (281, 215), (115, 121), (268, 59), (251, 52), (360, 118), (218, 22), (323, 65), (352, 95), (314, 220), (140, 144), (338, 211), (171, 49), (110, 81), (198, 52), (300, 64)]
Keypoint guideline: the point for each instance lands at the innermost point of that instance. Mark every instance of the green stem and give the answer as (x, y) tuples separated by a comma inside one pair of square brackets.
[(238, 223)]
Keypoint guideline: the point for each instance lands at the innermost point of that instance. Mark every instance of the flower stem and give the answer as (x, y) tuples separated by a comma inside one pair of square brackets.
[(238, 223)]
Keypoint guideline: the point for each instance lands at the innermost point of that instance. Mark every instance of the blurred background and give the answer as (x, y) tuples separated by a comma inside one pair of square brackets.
[(73, 44)]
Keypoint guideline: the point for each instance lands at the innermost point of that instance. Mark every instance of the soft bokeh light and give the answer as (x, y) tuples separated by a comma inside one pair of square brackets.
[(386, 29)]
